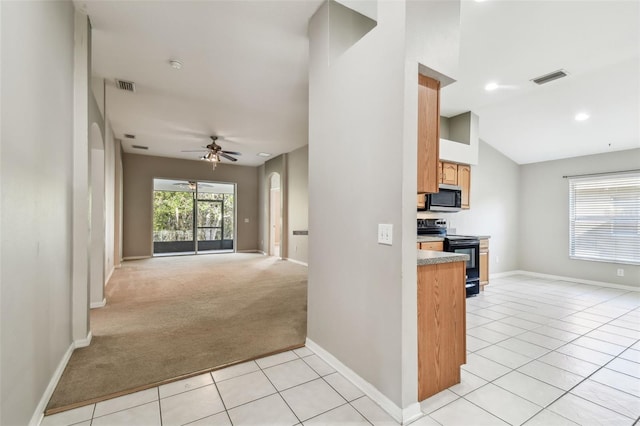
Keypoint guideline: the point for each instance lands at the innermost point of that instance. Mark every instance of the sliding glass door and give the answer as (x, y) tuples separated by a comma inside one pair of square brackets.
[(192, 217)]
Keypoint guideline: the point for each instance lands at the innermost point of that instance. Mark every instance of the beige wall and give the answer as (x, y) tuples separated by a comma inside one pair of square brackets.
[(293, 169), (37, 51), (298, 206), (544, 217), (138, 174)]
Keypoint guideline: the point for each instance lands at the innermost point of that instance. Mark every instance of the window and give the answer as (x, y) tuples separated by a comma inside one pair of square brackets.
[(604, 218)]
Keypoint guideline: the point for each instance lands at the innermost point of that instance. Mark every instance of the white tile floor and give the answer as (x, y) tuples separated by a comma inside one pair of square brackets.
[(541, 352)]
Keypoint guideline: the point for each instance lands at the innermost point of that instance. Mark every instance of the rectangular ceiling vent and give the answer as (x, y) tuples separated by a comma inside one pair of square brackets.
[(129, 86), (550, 77), (129, 136), (139, 147)]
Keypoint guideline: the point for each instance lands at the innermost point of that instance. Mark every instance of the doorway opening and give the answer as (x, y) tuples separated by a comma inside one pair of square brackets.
[(193, 217), (275, 214)]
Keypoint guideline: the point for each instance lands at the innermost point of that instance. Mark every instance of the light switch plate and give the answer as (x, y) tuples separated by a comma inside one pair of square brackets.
[(385, 233)]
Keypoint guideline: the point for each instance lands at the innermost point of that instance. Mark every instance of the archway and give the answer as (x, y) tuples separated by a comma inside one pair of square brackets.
[(275, 215)]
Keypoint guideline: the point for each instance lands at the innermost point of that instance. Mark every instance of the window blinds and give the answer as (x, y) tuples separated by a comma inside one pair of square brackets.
[(604, 218)]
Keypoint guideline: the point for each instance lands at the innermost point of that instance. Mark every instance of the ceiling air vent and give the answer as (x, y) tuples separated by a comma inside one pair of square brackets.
[(129, 86), (139, 147), (550, 77), (129, 136)]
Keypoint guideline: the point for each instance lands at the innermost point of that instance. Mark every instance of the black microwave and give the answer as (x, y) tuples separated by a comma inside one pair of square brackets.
[(447, 199)]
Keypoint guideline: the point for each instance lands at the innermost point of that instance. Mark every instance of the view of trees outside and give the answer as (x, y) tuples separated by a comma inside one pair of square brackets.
[(173, 216)]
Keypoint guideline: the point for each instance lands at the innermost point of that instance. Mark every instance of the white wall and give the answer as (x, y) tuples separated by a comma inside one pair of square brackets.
[(544, 217), (37, 115), (356, 113), (495, 194), (298, 203)]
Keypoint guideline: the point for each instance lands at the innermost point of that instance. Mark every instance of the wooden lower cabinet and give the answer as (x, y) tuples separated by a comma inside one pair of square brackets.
[(432, 245), (484, 263), (441, 326)]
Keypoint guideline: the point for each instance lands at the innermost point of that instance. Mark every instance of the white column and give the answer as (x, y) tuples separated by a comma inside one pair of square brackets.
[(80, 267)]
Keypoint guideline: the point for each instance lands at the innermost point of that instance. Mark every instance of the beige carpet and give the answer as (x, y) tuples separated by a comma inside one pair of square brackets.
[(175, 316)]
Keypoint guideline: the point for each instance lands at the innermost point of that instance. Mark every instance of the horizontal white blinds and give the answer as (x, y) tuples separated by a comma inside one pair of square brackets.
[(604, 215)]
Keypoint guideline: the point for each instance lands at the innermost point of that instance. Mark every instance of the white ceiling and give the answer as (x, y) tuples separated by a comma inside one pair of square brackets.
[(244, 74)]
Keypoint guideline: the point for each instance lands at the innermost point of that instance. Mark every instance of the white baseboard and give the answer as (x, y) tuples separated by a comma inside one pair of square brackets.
[(296, 261), (561, 278), (412, 413), (385, 403), (581, 281), (136, 257), (95, 305), (83, 343), (109, 275), (38, 415)]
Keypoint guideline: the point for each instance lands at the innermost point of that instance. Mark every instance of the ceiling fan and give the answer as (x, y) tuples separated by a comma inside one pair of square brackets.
[(214, 152)]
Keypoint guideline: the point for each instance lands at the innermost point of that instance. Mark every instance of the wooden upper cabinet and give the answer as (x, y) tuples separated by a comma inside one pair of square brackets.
[(464, 180), (428, 133), (439, 171), (450, 173)]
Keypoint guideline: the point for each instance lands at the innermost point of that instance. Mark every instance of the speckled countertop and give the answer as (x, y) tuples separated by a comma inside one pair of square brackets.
[(429, 239), (429, 257)]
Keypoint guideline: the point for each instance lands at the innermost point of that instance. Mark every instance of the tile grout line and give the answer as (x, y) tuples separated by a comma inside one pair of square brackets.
[(159, 404), (226, 411)]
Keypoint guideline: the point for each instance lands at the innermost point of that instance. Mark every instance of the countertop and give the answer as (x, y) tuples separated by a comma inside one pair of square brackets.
[(429, 257), (432, 239), (429, 239)]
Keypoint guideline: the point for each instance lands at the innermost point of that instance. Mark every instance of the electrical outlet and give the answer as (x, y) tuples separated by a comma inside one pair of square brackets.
[(246, 220), (620, 272), (385, 234)]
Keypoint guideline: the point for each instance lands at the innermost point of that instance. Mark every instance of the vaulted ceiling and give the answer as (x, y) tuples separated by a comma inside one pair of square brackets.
[(244, 74)]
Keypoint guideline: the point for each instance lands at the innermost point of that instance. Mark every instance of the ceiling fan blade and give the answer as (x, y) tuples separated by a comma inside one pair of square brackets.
[(194, 150), (228, 157), (230, 152)]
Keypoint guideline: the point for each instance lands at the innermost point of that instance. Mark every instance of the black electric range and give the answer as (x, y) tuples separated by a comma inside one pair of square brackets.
[(463, 244)]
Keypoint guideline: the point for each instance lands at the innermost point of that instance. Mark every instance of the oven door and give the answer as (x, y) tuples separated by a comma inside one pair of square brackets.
[(473, 251)]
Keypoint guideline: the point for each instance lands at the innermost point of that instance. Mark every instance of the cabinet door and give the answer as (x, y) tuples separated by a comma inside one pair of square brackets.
[(421, 201), (450, 173), (439, 171), (464, 180), (428, 134), (484, 268), (441, 327)]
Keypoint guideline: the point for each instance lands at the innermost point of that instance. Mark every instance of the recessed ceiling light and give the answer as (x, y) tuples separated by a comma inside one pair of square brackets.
[(491, 86), (264, 154), (582, 116), (175, 64)]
